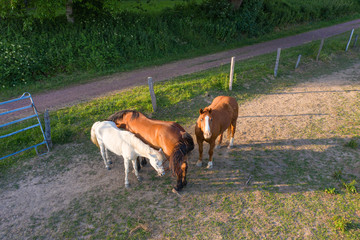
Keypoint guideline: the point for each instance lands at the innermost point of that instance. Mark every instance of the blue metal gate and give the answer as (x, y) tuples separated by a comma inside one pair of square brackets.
[(26, 95)]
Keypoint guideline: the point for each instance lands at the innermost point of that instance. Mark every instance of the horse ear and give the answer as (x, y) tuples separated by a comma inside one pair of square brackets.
[(201, 111), (210, 110)]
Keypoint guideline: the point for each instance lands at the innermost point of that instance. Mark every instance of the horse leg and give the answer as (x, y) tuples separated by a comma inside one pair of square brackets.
[(184, 172), (138, 165), (220, 141), (136, 168), (211, 152), (107, 156), (199, 162), (143, 161), (126, 166), (104, 155), (231, 130)]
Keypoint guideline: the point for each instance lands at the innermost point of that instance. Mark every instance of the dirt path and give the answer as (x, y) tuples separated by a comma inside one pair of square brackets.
[(25, 209), (111, 84)]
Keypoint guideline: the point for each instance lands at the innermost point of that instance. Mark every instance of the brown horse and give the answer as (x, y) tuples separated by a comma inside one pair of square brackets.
[(170, 136), (212, 122)]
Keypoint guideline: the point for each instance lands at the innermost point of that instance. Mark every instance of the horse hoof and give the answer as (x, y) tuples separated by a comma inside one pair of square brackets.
[(210, 165), (127, 185), (108, 168), (231, 144), (110, 162), (176, 191), (218, 146), (198, 163), (140, 179)]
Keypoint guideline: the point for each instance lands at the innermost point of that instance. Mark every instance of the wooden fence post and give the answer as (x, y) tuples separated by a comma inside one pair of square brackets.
[(277, 61), (152, 93), (47, 128), (320, 48), (231, 73), (298, 61), (347, 46)]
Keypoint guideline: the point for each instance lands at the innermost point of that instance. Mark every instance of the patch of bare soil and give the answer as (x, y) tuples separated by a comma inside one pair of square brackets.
[(37, 197), (293, 117)]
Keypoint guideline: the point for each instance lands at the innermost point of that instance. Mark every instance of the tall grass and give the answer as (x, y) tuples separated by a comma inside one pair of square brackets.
[(34, 53)]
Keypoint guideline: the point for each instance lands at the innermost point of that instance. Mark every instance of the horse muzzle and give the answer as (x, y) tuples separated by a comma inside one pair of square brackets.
[(207, 135), (160, 174)]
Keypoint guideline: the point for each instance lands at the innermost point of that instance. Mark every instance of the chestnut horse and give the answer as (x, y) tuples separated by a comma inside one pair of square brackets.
[(213, 121), (170, 136)]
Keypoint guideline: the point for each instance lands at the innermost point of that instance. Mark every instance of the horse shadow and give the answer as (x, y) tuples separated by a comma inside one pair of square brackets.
[(277, 166)]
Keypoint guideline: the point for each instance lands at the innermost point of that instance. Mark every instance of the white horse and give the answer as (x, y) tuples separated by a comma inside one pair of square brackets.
[(107, 136)]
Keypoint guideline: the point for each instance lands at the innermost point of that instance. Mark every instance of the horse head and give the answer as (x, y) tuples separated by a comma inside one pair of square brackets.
[(156, 161), (205, 122)]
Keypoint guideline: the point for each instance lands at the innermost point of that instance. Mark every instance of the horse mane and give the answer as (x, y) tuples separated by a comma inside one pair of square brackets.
[(185, 146), (189, 142), (119, 115)]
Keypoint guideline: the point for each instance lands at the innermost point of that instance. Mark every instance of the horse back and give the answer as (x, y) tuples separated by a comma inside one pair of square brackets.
[(157, 133), (224, 111), (225, 105)]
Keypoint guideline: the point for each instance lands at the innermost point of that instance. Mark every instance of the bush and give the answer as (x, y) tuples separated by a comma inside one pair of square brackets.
[(33, 50), (17, 66)]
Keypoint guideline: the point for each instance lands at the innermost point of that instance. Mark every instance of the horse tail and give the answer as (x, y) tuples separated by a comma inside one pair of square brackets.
[(185, 146), (93, 136)]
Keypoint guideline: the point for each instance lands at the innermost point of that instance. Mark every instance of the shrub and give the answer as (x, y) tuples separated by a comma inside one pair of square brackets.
[(17, 66), (331, 191), (350, 187)]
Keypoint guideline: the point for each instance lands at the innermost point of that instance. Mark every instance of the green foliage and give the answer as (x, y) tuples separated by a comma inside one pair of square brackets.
[(112, 42), (292, 11), (350, 187), (17, 65), (341, 223), (331, 191)]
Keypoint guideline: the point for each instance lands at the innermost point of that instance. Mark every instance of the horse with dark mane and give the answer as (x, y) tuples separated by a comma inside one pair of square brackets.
[(213, 121), (170, 136)]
